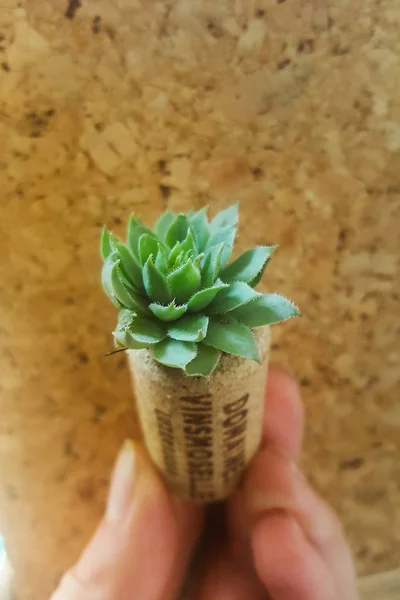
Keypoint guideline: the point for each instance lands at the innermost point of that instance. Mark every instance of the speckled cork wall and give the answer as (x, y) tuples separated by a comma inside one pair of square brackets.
[(106, 107)]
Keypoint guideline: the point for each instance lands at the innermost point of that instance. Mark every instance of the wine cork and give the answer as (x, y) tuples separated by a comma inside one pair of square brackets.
[(202, 432)]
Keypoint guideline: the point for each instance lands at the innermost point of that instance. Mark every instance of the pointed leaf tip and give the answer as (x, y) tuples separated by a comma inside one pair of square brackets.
[(226, 237), (229, 217), (135, 230), (177, 230), (123, 337), (107, 243), (204, 363), (201, 299), (106, 278), (200, 227), (248, 266), (237, 294), (161, 261), (267, 309), (163, 224), (184, 282), (148, 245), (168, 313), (233, 338)]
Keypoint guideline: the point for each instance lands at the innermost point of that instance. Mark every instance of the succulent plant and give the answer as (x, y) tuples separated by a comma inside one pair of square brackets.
[(179, 297)]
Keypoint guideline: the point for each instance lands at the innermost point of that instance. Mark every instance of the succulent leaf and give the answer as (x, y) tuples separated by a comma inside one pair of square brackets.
[(229, 217), (130, 266), (163, 224), (147, 331), (107, 243), (161, 261), (237, 294), (199, 225), (211, 263), (106, 278), (135, 230), (175, 255), (191, 328), (124, 293), (266, 310), (189, 243), (205, 361), (231, 337), (125, 317), (201, 299), (140, 299), (148, 246), (155, 283), (177, 230), (225, 236), (124, 339), (168, 313), (198, 261), (172, 353), (248, 265), (184, 281), (258, 278)]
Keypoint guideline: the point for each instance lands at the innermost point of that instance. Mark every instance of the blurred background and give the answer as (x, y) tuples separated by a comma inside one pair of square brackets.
[(290, 107)]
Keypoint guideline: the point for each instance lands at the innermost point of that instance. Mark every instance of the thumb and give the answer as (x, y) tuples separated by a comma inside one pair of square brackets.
[(143, 544)]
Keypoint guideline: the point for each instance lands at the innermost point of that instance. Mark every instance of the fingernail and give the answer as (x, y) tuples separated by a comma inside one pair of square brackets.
[(286, 514), (122, 484), (274, 483), (260, 505)]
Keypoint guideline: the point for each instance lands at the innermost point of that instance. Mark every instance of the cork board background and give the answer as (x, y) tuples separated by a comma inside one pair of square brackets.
[(290, 107)]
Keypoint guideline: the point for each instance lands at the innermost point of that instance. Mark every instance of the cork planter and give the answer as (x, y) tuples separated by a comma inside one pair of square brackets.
[(197, 336), (202, 432)]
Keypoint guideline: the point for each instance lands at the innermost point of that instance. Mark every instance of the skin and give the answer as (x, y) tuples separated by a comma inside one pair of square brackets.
[(274, 539)]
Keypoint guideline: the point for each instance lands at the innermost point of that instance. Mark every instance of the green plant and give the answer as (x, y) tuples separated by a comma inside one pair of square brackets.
[(179, 297)]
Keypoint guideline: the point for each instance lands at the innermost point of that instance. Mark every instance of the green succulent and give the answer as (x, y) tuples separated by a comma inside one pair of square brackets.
[(178, 295)]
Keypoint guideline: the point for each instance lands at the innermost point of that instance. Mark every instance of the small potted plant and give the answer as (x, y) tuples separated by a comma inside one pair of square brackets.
[(197, 336)]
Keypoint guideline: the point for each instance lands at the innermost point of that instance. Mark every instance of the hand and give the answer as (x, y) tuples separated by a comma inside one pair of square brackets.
[(275, 538)]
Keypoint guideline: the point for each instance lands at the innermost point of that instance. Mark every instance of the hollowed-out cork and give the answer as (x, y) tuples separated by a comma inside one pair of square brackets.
[(202, 432)]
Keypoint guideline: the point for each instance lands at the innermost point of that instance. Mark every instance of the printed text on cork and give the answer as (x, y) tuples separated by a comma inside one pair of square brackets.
[(204, 430)]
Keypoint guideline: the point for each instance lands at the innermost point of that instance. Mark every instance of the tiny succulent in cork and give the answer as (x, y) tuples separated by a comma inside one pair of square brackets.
[(178, 295)]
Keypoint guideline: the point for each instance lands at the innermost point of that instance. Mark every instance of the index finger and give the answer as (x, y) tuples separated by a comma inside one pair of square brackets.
[(284, 414)]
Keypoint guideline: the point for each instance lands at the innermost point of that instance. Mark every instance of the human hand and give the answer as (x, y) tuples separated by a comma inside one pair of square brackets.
[(275, 538)]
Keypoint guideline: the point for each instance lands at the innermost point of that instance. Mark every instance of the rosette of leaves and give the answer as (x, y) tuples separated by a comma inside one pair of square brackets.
[(179, 296)]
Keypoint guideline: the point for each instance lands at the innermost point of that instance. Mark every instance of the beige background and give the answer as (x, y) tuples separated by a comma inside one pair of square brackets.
[(290, 107)]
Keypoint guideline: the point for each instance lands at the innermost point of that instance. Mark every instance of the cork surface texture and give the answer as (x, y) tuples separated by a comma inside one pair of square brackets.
[(202, 432), (289, 107)]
